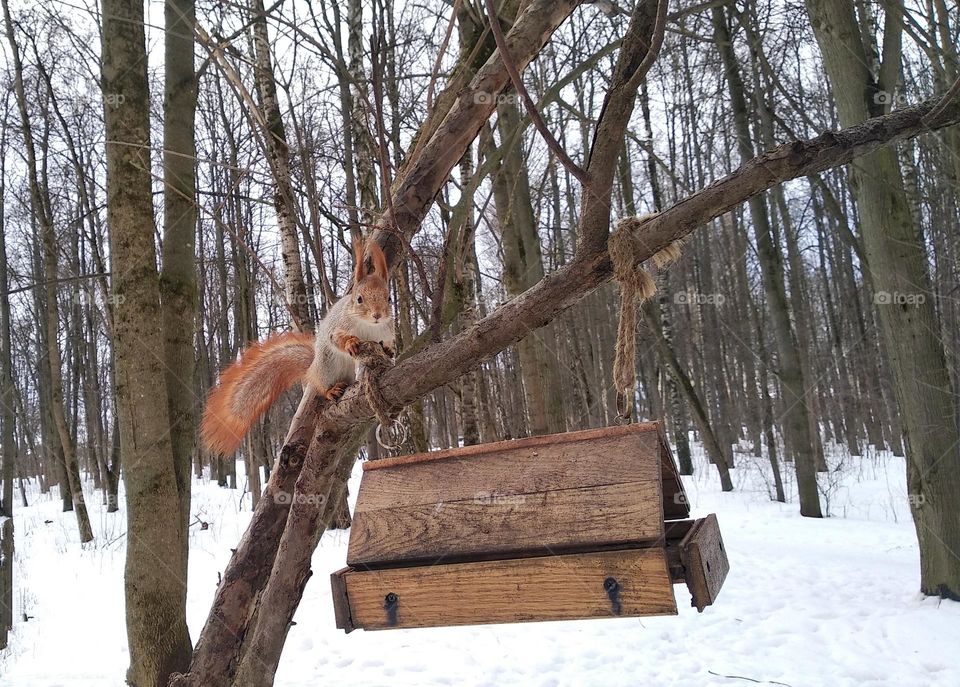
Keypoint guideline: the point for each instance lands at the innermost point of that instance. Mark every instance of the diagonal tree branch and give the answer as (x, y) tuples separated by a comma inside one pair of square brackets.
[(443, 362)]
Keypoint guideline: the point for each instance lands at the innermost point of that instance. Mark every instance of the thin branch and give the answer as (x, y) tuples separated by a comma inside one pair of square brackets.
[(440, 53), (944, 103), (58, 280), (578, 172)]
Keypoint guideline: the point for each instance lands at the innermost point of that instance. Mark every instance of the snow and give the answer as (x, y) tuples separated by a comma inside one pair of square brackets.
[(807, 602)]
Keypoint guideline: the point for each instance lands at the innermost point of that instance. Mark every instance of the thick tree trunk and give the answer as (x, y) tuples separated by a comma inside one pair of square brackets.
[(897, 268), (8, 443), (155, 590)]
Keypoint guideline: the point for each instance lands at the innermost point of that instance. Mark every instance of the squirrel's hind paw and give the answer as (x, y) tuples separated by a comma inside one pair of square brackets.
[(336, 391)]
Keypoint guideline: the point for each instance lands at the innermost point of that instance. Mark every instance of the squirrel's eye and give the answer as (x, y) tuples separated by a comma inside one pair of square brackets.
[(359, 299)]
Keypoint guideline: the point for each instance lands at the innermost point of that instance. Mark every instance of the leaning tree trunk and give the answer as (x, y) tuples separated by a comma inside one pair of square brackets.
[(278, 153), (896, 265), (155, 590), (446, 136), (711, 443)]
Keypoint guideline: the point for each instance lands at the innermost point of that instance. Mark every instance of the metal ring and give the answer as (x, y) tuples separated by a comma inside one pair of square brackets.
[(398, 429)]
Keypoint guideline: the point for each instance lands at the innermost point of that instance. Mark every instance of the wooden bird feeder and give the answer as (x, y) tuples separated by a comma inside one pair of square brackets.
[(590, 524)]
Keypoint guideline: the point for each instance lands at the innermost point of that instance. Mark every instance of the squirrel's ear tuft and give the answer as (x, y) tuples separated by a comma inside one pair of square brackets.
[(358, 272), (379, 260)]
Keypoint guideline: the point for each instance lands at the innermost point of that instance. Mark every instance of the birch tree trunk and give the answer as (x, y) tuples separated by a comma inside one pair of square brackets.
[(278, 153)]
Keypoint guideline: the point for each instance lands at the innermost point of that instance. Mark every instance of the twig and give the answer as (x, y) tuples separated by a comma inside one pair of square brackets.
[(59, 280), (750, 679), (944, 102), (578, 172), (440, 54)]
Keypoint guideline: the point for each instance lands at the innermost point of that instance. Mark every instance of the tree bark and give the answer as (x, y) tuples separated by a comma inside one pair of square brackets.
[(897, 268), (154, 588), (178, 278), (278, 153)]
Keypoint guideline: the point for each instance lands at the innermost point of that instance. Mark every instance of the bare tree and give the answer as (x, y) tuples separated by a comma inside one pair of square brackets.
[(154, 586)]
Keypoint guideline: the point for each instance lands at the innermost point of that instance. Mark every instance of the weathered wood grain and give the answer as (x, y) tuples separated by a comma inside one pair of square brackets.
[(509, 591), (508, 468), (341, 603), (704, 560), (506, 524), (647, 428)]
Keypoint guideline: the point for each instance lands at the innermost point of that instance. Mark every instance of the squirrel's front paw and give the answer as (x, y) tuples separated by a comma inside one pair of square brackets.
[(351, 345)]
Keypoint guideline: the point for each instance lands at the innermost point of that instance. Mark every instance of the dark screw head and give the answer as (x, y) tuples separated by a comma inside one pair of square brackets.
[(390, 598), (611, 585)]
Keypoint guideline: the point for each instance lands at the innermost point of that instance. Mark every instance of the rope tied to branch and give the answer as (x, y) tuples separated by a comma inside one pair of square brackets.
[(627, 250), (375, 362)]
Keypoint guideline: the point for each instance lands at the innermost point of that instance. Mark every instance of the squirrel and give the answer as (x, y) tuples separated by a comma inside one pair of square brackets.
[(324, 360)]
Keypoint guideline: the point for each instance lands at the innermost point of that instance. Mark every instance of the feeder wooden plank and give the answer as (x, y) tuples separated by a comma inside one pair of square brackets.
[(513, 470), (510, 524), (652, 428), (675, 503), (341, 605), (704, 560), (508, 591)]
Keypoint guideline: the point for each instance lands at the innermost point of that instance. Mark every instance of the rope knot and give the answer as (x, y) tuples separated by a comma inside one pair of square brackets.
[(375, 362), (627, 250)]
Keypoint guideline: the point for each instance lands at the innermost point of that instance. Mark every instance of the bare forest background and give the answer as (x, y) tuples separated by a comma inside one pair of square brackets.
[(769, 339)]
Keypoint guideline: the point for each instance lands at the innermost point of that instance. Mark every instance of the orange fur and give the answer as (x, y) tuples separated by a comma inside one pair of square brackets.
[(251, 385), (379, 260), (346, 342), (358, 271)]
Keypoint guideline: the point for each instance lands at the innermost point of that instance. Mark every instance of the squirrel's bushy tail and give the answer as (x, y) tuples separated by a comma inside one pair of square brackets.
[(250, 386)]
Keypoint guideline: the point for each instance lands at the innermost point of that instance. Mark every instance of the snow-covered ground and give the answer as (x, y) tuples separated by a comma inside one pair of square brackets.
[(807, 602)]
